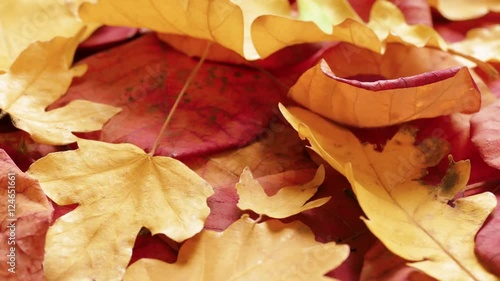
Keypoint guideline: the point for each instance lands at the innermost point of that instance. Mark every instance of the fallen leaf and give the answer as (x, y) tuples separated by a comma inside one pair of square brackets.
[(288, 201), (107, 36), (464, 9), (26, 22), (247, 250), (382, 265), (415, 11), (488, 240), (485, 130), (412, 219), (119, 189), (401, 86), (144, 77), (25, 217), (39, 76), (481, 43)]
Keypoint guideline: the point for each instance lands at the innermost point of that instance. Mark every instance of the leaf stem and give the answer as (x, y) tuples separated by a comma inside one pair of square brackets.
[(179, 97)]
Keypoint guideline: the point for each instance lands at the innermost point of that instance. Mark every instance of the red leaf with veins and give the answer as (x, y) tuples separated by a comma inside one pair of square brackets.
[(223, 107), (485, 127)]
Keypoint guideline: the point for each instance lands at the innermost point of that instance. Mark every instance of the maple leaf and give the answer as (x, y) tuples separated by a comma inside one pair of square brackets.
[(464, 9), (288, 201), (26, 22), (119, 189), (418, 90), (413, 220), (247, 250), (26, 215), (39, 76)]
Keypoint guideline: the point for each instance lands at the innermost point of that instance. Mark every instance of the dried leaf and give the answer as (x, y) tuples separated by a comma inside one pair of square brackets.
[(119, 189), (408, 86), (24, 225), (248, 251), (288, 201), (412, 219), (26, 22), (481, 43), (465, 9), (39, 76), (488, 241)]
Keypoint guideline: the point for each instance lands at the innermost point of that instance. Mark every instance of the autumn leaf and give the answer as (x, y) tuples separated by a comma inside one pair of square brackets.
[(481, 43), (485, 127), (401, 210), (488, 240), (464, 9), (25, 216), (26, 22), (247, 250), (119, 189), (401, 86), (39, 76), (288, 201)]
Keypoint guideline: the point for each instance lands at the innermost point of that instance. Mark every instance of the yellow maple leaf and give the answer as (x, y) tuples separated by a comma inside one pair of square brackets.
[(481, 43), (288, 201), (249, 251), (411, 218), (39, 76), (25, 22), (119, 189), (465, 9), (407, 93)]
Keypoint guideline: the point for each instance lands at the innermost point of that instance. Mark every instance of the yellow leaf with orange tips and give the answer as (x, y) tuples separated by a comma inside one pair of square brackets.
[(465, 9), (411, 218), (288, 201), (247, 250), (28, 21), (119, 189), (40, 75), (481, 43), (411, 83)]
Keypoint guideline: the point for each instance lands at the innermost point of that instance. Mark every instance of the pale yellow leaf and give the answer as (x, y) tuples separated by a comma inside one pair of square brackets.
[(249, 251), (481, 43), (288, 201), (24, 22), (411, 218), (465, 9), (40, 75), (119, 189)]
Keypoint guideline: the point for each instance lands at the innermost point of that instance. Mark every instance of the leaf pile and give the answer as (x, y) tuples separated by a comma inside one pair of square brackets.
[(312, 140)]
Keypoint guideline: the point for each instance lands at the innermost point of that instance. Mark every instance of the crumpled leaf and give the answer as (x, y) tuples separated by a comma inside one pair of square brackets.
[(246, 250), (144, 77), (27, 21), (402, 86), (464, 9), (485, 130), (412, 219), (488, 240), (481, 43), (288, 201), (33, 214), (119, 189), (38, 77)]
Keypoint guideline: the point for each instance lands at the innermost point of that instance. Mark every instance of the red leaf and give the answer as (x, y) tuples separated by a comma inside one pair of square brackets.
[(485, 127), (22, 239), (106, 36), (488, 241)]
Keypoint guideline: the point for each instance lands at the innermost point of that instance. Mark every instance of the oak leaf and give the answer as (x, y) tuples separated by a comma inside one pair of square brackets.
[(401, 87), (119, 189), (288, 201), (412, 219), (26, 22), (247, 250), (39, 76), (25, 217), (464, 9)]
